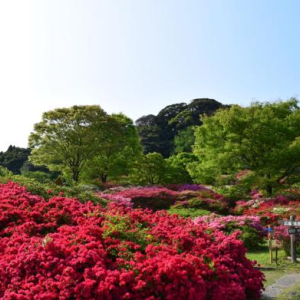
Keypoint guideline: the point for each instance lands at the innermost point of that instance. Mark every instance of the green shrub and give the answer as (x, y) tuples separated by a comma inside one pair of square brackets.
[(188, 212)]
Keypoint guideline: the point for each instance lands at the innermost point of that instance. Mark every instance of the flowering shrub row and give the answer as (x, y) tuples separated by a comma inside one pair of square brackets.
[(157, 198), (63, 249)]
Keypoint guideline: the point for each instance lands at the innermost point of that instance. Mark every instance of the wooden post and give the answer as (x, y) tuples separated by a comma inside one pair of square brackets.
[(293, 242)]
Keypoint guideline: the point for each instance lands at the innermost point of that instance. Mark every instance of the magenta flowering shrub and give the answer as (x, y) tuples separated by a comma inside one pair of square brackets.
[(64, 249), (153, 197), (158, 198), (192, 187)]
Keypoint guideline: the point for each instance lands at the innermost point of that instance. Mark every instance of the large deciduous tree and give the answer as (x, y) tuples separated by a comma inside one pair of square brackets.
[(263, 138), (67, 138)]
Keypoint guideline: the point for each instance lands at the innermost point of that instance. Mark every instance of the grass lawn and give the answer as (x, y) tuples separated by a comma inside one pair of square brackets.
[(273, 271)]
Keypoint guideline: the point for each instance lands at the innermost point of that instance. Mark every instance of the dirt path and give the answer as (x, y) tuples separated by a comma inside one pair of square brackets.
[(286, 281)]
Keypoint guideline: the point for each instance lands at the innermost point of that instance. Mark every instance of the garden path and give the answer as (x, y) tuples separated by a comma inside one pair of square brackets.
[(286, 281)]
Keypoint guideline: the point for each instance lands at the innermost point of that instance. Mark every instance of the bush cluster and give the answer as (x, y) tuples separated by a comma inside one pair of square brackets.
[(65, 249)]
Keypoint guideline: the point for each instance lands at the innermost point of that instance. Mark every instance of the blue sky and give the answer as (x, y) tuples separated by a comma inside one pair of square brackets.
[(137, 56)]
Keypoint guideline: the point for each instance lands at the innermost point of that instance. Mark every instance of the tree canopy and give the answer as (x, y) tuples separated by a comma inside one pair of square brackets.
[(85, 140), (158, 133), (263, 138), (67, 138), (118, 150), (14, 158)]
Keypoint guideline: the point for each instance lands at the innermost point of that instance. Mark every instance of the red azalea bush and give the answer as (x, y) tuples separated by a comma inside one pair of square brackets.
[(63, 249)]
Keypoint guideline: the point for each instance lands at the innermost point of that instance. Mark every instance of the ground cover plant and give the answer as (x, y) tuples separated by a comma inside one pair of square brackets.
[(65, 249)]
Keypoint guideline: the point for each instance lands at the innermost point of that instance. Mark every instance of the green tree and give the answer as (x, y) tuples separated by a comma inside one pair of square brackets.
[(158, 132), (184, 140), (117, 151), (149, 133), (177, 167), (263, 138), (13, 158), (150, 169), (67, 138)]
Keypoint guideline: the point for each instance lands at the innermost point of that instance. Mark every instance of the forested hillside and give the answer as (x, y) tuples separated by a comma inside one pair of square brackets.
[(170, 131)]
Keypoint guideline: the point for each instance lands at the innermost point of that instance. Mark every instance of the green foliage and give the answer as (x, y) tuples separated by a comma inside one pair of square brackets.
[(29, 167), (177, 168), (150, 170), (41, 177), (184, 140), (262, 138), (67, 137), (251, 238), (149, 133), (158, 132), (121, 227), (83, 142), (5, 172), (14, 158), (119, 149), (205, 204), (188, 212)]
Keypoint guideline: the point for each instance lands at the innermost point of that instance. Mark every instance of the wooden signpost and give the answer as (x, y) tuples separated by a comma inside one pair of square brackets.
[(294, 233)]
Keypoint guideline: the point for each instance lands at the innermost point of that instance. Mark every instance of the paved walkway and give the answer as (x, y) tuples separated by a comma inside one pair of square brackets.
[(274, 290)]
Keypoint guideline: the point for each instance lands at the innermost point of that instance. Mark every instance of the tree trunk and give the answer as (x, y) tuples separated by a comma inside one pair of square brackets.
[(269, 189), (104, 178), (75, 175)]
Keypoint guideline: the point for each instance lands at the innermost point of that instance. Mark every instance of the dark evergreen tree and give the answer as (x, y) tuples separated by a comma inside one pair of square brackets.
[(149, 133), (158, 133), (14, 158)]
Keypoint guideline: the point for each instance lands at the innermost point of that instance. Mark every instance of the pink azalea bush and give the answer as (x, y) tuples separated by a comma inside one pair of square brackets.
[(250, 229), (282, 237), (117, 199), (64, 249)]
